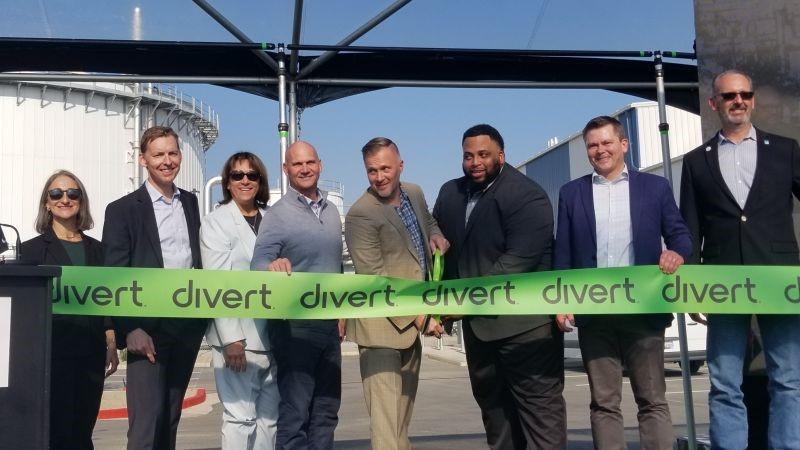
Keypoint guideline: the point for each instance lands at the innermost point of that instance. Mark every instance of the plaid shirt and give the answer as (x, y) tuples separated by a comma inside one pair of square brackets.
[(406, 213)]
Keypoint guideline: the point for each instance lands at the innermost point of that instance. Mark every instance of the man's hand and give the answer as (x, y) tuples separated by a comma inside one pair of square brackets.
[(235, 358), (438, 242), (670, 261), (419, 322), (434, 328), (699, 318), (112, 357), (140, 343), (112, 361), (342, 325), (280, 265), (565, 322)]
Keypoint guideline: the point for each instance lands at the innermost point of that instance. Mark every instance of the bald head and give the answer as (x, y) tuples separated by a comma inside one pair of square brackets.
[(303, 168), (301, 149)]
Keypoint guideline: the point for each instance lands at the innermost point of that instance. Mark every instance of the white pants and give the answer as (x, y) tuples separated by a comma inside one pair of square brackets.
[(250, 401)]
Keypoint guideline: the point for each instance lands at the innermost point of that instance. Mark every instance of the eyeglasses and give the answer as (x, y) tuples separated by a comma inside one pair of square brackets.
[(58, 194), (238, 175), (728, 96)]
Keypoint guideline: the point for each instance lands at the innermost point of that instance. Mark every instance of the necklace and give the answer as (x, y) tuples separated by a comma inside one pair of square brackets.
[(253, 221)]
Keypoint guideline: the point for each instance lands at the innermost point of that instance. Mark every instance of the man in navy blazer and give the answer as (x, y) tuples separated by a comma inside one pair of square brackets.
[(615, 217)]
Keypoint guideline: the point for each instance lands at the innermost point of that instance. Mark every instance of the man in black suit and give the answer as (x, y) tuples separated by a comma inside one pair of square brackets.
[(499, 221), (156, 226), (736, 197)]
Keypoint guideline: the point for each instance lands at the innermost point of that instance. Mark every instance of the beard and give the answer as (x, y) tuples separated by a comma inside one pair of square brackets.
[(491, 174)]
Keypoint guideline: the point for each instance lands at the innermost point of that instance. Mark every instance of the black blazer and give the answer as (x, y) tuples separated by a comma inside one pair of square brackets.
[(130, 239), (509, 231), (73, 336), (761, 233)]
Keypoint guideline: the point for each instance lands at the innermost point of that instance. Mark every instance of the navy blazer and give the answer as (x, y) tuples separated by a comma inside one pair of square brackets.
[(654, 215)]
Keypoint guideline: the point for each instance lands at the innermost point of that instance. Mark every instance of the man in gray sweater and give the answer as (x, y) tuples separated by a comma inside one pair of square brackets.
[(303, 232)]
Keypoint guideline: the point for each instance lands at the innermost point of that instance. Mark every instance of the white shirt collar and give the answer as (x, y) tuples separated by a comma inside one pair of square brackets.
[(599, 179), (750, 135), (155, 195)]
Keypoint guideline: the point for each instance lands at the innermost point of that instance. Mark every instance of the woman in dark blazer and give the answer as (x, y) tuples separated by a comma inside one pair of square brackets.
[(83, 350)]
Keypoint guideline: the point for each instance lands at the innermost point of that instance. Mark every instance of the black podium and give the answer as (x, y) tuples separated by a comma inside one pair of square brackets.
[(25, 398)]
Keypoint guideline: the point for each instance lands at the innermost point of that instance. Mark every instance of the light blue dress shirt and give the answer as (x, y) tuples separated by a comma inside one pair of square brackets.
[(173, 232), (612, 216), (737, 162)]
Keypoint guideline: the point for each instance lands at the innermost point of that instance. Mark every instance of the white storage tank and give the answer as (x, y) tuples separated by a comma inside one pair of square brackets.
[(93, 130)]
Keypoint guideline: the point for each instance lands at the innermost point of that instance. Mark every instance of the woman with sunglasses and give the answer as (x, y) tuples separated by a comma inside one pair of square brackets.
[(244, 368), (84, 350)]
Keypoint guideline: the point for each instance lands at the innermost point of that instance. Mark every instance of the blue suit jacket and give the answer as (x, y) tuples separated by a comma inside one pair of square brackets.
[(654, 215)]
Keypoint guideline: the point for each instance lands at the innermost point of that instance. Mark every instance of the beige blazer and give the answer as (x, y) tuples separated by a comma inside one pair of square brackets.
[(380, 245)]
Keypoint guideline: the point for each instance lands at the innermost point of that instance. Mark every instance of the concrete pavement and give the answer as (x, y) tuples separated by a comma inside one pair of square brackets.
[(445, 414)]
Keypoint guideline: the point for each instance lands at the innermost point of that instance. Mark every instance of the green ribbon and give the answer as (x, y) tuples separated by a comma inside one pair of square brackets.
[(113, 291)]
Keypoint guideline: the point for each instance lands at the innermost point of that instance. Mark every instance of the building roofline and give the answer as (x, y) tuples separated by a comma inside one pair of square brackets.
[(578, 133)]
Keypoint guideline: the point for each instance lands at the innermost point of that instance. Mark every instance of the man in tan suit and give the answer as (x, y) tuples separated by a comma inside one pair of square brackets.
[(390, 232)]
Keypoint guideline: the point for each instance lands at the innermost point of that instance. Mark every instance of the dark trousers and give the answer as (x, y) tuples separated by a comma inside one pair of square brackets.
[(518, 383), (609, 344), (76, 387), (310, 384), (155, 391)]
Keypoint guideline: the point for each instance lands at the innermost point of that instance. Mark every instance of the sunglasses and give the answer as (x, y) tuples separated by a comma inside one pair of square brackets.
[(58, 194), (238, 175), (728, 96)]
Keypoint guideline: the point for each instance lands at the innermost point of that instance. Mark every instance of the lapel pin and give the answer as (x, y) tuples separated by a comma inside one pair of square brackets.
[(766, 141), (708, 148)]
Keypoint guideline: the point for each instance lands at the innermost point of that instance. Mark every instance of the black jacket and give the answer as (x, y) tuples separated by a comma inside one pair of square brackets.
[(130, 239), (509, 231), (73, 336), (761, 233)]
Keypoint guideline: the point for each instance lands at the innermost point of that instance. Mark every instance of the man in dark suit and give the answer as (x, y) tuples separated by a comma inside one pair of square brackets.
[(736, 197), (498, 221), (615, 217), (156, 226)]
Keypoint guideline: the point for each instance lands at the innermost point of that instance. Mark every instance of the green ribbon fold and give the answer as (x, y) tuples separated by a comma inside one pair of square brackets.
[(114, 291)]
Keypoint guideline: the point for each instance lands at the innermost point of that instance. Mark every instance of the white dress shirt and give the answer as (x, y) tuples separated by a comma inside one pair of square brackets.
[(612, 213), (737, 162), (173, 232)]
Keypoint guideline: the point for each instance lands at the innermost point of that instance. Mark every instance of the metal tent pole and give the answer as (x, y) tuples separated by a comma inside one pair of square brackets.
[(363, 29), (663, 128), (296, 27), (294, 124), (283, 127), (232, 29)]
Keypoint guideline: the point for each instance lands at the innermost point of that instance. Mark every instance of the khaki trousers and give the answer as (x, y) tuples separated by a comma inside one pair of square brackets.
[(390, 378)]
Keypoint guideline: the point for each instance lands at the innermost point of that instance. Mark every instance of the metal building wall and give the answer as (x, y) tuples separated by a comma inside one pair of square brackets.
[(40, 133), (685, 132), (44, 130), (551, 170)]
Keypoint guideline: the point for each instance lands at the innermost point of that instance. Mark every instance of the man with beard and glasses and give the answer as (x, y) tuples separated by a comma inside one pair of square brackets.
[(736, 197), (498, 221)]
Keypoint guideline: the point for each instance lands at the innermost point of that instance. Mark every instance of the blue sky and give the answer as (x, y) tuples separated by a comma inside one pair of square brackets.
[(426, 123)]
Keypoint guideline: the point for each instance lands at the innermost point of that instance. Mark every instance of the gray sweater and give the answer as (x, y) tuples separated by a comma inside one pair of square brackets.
[(291, 230)]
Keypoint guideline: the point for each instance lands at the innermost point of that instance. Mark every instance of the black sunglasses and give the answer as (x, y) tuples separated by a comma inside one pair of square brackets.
[(728, 96), (238, 175), (58, 193)]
